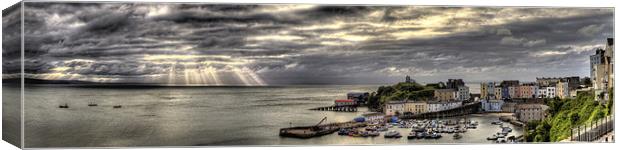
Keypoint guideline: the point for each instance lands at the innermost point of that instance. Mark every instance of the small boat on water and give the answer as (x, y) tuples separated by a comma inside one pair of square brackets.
[(392, 134), (493, 137), (433, 135), (420, 135), (343, 132), (500, 140), (412, 135), (371, 128), (63, 106), (497, 122), (501, 135), (354, 133), (373, 133), (92, 104), (117, 106), (382, 128), (506, 129), (457, 136)]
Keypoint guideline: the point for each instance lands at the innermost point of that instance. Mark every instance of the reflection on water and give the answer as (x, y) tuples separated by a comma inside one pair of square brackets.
[(181, 116)]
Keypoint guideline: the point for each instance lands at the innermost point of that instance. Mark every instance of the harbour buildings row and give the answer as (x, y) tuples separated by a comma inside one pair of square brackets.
[(450, 94), (543, 88), (494, 96)]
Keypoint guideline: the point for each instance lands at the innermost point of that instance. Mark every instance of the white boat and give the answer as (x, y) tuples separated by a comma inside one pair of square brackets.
[(500, 140), (497, 122), (382, 128), (493, 137), (392, 134), (501, 135), (373, 133), (506, 129)]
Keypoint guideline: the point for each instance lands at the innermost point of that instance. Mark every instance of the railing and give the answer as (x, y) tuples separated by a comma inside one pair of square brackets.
[(594, 130)]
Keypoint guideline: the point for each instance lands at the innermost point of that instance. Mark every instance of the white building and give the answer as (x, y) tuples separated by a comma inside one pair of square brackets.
[(394, 107), (550, 92), (442, 105), (492, 105), (541, 92), (462, 93)]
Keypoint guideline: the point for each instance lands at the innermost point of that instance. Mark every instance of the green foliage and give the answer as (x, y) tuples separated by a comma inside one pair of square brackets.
[(399, 91), (565, 114)]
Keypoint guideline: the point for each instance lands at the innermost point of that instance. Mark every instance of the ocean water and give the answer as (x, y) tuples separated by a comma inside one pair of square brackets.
[(197, 116)]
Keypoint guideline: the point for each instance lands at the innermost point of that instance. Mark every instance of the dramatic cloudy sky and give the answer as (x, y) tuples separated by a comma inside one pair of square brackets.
[(304, 44)]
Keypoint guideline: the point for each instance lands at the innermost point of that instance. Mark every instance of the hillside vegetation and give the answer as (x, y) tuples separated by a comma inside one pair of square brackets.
[(564, 114), (400, 91)]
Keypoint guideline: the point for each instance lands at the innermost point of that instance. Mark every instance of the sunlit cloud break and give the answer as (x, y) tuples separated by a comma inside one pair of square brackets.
[(255, 45)]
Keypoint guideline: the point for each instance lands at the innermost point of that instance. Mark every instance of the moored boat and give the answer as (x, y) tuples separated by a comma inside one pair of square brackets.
[(493, 137), (392, 134), (457, 136), (412, 135)]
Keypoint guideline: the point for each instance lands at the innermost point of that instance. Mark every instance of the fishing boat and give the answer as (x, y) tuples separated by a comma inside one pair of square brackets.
[(63, 106), (373, 133), (392, 134), (457, 136), (501, 135), (355, 134), (371, 128), (92, 104), (343, 132), (382, 128), (412, 135), (506, 129), (450, 130), (117, 106), (435, 135), (420, 135), (493, 137), (500, 140), (497, 122)]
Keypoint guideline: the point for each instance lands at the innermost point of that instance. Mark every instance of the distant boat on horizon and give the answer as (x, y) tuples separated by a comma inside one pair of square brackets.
[(92, 104), (63, 106)]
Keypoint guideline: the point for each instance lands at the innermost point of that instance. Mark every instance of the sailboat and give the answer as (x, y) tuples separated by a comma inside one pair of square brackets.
[(92, 104)]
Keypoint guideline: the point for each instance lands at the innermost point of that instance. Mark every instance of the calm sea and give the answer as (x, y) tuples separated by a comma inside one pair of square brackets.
[(196, 116)]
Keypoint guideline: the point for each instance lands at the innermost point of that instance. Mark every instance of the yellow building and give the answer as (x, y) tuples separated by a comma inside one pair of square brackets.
[(415, 107), (562, 89), (445, 94), (498, 93)]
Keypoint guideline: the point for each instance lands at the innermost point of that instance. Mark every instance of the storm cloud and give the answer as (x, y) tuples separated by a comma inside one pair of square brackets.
[(234, 44)]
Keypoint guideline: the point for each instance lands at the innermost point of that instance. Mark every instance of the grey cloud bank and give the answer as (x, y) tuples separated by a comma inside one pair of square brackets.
[(230, 44)]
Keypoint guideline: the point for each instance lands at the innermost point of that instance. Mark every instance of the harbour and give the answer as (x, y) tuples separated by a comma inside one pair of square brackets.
[(204, 116)]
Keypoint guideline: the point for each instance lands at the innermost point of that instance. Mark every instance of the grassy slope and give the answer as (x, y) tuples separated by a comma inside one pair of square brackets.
[(564, 114)]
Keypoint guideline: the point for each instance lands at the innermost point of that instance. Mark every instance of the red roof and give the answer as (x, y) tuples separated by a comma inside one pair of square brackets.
[(344, 100)]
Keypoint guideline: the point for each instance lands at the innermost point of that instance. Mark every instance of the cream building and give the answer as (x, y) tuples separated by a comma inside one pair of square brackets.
[(530, 112), (445, 94), (394, 107), (562, 90), (416, 107)]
